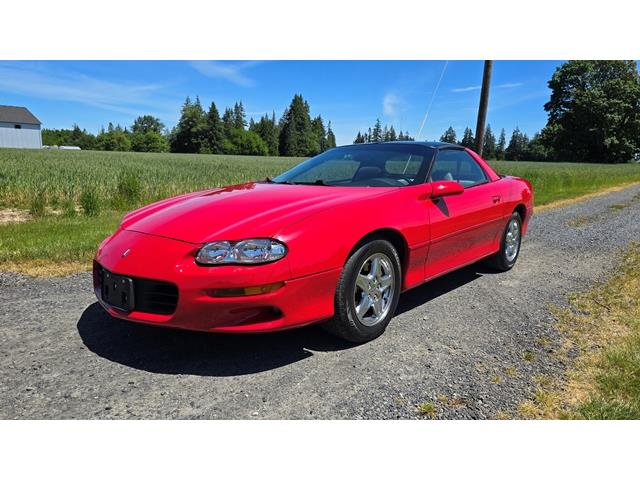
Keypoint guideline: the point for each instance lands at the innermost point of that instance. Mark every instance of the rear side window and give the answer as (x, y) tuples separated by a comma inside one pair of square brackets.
[(458, 166)]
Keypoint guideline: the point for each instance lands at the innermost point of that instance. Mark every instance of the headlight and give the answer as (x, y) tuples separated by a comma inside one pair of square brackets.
[(253, 251)]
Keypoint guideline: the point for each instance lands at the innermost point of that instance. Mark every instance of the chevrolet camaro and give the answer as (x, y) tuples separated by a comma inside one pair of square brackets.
[(334, 240)]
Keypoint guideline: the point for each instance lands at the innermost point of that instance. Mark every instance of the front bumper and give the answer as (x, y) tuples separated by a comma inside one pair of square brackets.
[(300, 301)]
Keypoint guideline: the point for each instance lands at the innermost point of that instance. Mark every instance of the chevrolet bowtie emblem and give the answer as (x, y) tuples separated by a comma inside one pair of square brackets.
[(126, 252)]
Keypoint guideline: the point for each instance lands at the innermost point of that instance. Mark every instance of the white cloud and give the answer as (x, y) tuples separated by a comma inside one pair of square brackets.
[(511, 85), (466, 89), (231, 72), (391, 105), (36, 81)]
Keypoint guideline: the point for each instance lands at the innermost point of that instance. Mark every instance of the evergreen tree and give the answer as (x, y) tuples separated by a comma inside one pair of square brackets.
[(449, 136), (517, 146), (391, 135), (489, 144), (267, 129), (296, 137), (215, 130), (467, 140), (501, 146), (227, 121), (239, 120), (319, 135), (359, 138), (376, 133), (190, 134), (331, 138)]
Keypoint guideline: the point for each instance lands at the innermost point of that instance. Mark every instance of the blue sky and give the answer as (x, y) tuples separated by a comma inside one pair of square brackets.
[(352, 94)]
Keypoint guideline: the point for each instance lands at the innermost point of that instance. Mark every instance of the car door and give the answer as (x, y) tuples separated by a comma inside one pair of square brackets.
[(463, 226)]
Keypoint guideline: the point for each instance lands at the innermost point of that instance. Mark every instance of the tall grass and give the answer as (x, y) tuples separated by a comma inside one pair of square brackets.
[(122, 180), (559, 181)]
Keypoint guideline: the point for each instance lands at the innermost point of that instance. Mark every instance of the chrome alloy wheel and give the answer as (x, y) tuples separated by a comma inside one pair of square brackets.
[(512, 240), (374, 289)]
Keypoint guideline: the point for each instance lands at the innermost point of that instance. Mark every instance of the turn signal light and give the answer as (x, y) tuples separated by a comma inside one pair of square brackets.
[(246, 291)]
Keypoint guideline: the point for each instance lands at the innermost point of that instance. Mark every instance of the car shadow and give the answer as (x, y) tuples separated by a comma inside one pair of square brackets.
[(169, 351)]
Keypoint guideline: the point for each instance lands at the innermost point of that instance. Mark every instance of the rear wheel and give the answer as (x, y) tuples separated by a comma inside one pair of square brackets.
[(507, 256), (367, 293)]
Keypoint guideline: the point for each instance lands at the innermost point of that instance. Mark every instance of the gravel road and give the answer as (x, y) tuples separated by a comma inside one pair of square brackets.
[(468, 342)]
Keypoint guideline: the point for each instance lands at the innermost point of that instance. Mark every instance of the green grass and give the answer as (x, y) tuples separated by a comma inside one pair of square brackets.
[(428, 409), (560, 181), (602, 330), (143, 177), (103, 185), (55, 240)]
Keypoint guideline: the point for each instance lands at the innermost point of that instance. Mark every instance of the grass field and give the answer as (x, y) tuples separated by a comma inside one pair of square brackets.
[(63, 175), (77, 198)]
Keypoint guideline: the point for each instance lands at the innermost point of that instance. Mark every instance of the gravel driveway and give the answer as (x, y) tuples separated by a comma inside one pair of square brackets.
[(468, 342)]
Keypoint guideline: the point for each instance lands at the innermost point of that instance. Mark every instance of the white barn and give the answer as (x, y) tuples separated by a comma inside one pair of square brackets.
[(19, 128)]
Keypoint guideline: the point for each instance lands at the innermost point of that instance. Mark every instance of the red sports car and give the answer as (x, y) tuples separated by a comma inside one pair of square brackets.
[(336, 239)]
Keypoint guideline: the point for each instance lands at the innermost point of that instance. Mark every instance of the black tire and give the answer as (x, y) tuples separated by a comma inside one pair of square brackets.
[(345, 323), (501, 261)]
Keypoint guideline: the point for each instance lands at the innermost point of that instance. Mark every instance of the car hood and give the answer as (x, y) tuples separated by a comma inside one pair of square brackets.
[(240, 211)]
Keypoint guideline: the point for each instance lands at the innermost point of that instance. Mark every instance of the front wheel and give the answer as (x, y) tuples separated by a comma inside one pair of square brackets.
[(367, 293), (506, 257)]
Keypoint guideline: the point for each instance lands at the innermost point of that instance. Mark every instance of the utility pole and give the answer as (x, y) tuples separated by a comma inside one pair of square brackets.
[(484, 103)]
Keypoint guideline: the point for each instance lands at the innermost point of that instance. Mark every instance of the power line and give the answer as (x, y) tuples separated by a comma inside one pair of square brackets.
[(424, 120)]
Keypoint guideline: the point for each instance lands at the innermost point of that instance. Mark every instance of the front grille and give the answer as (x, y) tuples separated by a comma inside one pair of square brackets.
[(150, 296)]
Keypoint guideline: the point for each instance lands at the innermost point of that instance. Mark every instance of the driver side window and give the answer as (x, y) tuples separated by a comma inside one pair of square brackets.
[(457, 166)]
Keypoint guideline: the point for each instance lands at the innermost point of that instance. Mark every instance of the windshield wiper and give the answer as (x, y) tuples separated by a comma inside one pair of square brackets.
[(316, 182), (286, 182)]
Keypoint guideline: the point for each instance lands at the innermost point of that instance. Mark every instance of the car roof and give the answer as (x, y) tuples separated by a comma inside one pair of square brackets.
[(434, 145)]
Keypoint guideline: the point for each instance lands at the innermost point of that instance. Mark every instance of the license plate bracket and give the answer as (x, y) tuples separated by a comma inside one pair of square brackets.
[(117, 291)]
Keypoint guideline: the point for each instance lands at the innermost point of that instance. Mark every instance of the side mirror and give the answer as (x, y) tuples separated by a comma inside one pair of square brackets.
[(445, 188)]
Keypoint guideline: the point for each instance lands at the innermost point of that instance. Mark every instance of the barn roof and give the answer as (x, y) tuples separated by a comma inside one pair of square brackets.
[(11, 114)]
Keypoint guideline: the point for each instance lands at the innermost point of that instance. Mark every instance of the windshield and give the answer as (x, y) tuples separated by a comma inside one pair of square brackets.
[(367, 165)]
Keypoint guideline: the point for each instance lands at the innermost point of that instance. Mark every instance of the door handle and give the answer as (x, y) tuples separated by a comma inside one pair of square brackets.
[(496, 198)]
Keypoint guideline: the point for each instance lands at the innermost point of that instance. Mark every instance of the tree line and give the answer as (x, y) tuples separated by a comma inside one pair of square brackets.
[(381, 134), (200, 131), (520, 147)]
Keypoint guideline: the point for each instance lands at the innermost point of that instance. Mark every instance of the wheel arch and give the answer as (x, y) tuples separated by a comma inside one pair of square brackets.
[(521, 209), (393, 236)]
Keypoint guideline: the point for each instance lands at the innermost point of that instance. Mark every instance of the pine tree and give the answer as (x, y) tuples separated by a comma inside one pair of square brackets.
[(501, 146), (489, 144), (215, 130), (267, 129), (239, 120), (392, 135), (467, 140), (331, 138), (517, 145), (190, 134), (319, 135), (376, 133), (296, 137), (359, 138), (227, 121), (449, 136)]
